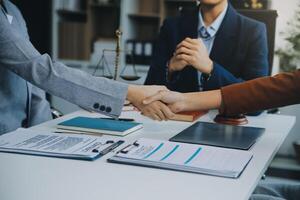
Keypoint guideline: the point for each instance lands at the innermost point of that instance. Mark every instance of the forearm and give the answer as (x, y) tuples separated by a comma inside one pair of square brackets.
[(19, 56), (73, 85), (261, 93), (202, 100), (258, 94)]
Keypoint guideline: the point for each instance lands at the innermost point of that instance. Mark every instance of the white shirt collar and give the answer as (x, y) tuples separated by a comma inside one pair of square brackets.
[(214, 27), (8, 16)]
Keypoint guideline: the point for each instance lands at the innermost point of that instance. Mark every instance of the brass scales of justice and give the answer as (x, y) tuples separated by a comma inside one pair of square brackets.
[(103, 63)]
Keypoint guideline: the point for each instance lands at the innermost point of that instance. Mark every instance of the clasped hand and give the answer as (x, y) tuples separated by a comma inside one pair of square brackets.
[(164, 104), (156, 102), (191, 52)]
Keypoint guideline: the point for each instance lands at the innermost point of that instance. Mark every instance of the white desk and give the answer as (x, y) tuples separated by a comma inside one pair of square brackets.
[(41, 178)]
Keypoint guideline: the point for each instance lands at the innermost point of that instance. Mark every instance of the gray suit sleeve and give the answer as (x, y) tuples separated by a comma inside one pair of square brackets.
[(97, 94), (39, 107)]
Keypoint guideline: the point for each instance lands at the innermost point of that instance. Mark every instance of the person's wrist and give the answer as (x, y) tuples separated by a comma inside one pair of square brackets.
[(135, 96), (192, 101), (171, 67), (185, 97), (130, 93), (170, 70), (208, 70)]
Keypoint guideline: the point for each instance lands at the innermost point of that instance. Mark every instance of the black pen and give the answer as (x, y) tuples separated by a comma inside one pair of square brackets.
[(110, 148), (120, 119)]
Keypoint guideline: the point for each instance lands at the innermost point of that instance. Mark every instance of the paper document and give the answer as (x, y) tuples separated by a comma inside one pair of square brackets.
[(53, 144), (185, 157)]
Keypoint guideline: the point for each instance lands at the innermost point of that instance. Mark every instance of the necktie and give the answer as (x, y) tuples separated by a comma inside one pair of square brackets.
[(205, 36), (203, 33)]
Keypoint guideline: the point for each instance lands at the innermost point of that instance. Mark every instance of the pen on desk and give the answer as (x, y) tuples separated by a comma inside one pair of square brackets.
[(80, 133), (120, 119), (71, 132), (110, 148)]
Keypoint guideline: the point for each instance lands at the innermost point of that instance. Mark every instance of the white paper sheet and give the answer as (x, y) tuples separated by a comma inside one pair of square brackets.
[(198, 158), (46, 143)]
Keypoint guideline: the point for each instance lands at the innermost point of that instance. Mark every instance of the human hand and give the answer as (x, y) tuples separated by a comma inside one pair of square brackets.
[(176, 64), (194, 53), (136, 94), (176, 101), (157, 111)]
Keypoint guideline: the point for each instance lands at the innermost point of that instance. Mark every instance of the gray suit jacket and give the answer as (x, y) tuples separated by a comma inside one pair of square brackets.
[(24, 72)]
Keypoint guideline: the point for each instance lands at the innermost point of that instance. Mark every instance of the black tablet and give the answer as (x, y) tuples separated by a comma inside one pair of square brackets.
[(236, 137)]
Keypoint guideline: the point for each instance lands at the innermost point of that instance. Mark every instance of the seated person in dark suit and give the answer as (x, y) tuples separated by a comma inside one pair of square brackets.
[(205, 49)]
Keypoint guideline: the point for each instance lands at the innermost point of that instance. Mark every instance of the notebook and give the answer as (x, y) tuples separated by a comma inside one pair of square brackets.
[(43, 143), (237, 137), (101, 126), (184, 157)]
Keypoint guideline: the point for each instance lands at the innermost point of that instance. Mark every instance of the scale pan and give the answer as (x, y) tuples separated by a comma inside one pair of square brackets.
[(109, 77), (130, 78)]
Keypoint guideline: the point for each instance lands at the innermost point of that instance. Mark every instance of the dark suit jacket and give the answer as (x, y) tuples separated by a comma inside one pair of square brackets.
[(239, 52), (261, 93)]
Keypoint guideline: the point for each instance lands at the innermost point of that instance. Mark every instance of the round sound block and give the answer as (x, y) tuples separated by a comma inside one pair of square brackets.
[(231, 120)]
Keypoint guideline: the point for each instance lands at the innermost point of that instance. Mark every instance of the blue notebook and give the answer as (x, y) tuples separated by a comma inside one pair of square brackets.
[(101, 126)]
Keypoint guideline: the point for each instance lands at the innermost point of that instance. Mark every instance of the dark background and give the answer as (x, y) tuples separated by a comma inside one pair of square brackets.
[(37, 14)]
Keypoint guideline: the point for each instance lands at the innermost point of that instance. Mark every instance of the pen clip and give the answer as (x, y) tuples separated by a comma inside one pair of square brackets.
[(107, 142), (111, 147), (128, 148), (136, 144)]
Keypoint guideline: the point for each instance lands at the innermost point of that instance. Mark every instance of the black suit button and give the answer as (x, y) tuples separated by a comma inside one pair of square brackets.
[(24, 123), (102, 107), (108, 109), (96, 105)]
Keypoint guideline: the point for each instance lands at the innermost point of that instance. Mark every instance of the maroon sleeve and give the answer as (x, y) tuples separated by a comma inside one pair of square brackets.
[(262, 93)]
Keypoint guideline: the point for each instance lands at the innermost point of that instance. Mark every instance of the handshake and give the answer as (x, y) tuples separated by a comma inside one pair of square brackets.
[(157, 102)]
